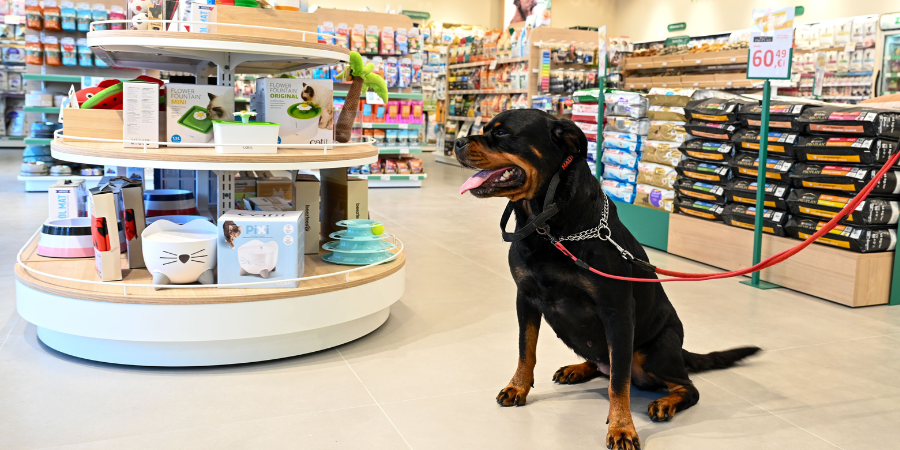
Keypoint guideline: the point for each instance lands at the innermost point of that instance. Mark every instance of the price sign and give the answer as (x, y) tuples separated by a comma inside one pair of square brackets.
[(771, 42)]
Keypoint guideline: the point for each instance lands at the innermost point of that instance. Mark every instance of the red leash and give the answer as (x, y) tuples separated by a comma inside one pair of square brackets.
[(768, 262)]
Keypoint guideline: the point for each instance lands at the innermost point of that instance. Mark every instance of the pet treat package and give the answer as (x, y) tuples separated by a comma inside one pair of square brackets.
[(102, 202), (744, 216), (854, 150), (671, 113), (843, 178), (720, 152), (701, 171), (618, 173), (700, 208), (621, 159), (702, 191), (825, 205), (191, 109), (716, 109), (661, 153), (303, 107), (654, 197), (710, 130), (656, 175), (780, 144), (782, 116), (742, 190), (746, 164), (618, 191), (857, 121), (260, 245), (853, 238), (640, 127)]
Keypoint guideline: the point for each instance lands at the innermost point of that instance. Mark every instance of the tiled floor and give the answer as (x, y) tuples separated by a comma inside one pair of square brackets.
[(428, 377)]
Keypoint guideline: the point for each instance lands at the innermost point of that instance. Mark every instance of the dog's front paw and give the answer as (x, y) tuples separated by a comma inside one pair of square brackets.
[(576, 373), (623, 438), (661, 410), (512, 395)]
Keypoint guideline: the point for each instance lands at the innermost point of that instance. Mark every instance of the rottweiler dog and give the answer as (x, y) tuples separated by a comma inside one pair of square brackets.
[(626, 331)]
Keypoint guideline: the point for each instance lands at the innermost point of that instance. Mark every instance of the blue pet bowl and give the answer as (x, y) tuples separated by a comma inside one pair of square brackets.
[(356, 259), (358, 246)]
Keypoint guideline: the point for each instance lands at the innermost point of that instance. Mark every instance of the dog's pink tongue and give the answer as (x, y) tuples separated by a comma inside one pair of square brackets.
[(477, 180)]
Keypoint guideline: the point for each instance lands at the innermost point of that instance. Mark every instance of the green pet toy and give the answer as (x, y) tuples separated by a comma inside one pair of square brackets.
[(362, 78)]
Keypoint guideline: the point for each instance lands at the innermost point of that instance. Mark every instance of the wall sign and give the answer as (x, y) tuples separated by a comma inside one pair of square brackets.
[(677, 40), (677, 26), (416, 15)]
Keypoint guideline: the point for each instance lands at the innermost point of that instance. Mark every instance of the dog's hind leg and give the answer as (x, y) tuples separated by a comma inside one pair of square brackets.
[(576, 373), (664, 364), (516, 391)]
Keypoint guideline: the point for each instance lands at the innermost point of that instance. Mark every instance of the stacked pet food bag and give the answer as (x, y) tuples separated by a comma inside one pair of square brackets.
[(584, 114), (632, 171), (840, 151)]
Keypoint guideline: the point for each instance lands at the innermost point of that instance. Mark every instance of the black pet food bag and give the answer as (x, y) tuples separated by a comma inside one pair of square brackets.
[(714, 151), (782, 116), (825, 205), (851, 150), (854, 238), (710, 130), (780, 144), (747, 164), (702, 171), (700, 190), (843, 178), (700, 209), (716, 109), (742, 190), (744, 216), (835, 120)]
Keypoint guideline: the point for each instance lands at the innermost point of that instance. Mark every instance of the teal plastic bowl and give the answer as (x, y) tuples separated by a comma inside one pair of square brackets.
[(343, 235), (345, 246), (356, 259), (362, 227)]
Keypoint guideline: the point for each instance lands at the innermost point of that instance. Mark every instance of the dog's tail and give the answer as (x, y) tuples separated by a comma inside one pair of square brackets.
[(694, 362)]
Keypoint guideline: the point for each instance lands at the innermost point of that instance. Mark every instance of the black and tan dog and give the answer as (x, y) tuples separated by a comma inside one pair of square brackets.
[(627, 331)]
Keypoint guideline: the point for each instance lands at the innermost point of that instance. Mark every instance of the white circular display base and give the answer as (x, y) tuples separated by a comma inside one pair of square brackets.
[(208, 334)]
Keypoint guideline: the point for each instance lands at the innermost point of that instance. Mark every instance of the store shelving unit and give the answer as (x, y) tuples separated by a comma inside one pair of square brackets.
[(12, 142), (42, 183), (129, 322)]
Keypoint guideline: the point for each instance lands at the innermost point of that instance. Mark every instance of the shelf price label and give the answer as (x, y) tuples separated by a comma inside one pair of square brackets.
[(771, 42)]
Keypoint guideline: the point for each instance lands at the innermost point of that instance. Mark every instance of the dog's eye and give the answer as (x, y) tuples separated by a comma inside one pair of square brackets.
[(500, 133)]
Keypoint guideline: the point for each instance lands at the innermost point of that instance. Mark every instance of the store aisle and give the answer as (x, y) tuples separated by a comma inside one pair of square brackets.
[(427, 378)]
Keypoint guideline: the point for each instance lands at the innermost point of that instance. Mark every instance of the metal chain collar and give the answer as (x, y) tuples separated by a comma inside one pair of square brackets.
[(600, 231)]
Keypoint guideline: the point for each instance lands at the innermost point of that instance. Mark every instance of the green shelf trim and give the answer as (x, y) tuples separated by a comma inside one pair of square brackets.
[(649, 226), (391, 95), (399, 150), (42, 77), (13, 138), (38, 141), (392, 126), (42, 109)]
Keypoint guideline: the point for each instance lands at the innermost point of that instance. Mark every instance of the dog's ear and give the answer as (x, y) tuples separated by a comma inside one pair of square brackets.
[(568, 137)]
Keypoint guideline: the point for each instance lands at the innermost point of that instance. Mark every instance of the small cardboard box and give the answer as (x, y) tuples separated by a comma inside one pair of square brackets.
[(244, 187), (306, 198), (191, 108), (67, 199), (274, 187), (105, 232), (260, 245), (343, 198), (131, 213)]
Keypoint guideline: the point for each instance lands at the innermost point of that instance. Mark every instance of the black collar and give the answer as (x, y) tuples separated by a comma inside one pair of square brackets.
[(535, 223)]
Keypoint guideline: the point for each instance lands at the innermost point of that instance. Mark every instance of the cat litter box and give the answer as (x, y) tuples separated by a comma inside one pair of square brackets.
[(197, 119), (258, 258)]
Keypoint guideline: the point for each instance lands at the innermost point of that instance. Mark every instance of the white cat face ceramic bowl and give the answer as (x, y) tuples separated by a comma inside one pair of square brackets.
[(258, 258), (180, 254)]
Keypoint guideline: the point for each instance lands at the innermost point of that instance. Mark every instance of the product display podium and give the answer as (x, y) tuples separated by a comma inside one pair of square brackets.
[(128, 322)]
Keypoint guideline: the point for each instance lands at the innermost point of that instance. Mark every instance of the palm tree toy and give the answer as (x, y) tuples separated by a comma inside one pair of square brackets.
[(362, 78)]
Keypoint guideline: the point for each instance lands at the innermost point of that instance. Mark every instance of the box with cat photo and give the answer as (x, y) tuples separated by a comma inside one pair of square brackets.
[(303, 108), (191, 109), (260, 246)]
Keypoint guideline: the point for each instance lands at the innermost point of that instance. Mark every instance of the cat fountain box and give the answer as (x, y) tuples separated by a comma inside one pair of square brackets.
[(180, 253), (304, 108), (191, 109), (260, 245)]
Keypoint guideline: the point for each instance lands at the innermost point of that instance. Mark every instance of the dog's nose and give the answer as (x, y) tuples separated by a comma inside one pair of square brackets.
[(461, 143)]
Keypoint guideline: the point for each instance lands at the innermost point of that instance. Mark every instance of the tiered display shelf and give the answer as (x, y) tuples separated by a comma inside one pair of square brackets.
[(128, 322)]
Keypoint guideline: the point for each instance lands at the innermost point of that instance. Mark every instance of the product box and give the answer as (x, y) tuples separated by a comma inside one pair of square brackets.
[(274, 187), (131, 215), (244, 187), (306, 199), (105, 232), (343, 198), (303, 107), (260, 245), (67, 199), (191, 108), (268, 204), (141, 114)]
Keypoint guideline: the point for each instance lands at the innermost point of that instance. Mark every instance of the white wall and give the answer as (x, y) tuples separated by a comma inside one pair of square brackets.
[(588, 13), (488, 13), (645, 20)]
